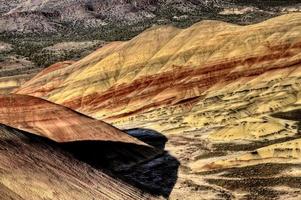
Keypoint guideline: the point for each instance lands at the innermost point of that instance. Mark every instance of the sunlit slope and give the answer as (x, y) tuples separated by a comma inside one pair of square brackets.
[(165, 65), (56, 122)]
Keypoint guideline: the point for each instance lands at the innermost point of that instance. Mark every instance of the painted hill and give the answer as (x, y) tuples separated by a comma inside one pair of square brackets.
[(213, 89), (167, 66)]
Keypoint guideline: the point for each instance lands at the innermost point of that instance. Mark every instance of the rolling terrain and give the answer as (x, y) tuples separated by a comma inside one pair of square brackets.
[(52, 16), (223, 95)]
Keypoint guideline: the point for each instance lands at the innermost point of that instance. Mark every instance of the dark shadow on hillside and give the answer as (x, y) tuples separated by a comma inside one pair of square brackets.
[(160, 174), (151, 170), (149, 136), (293, 115)]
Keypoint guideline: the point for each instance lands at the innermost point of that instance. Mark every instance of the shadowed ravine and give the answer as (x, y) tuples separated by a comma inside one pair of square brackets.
[(114, 161)]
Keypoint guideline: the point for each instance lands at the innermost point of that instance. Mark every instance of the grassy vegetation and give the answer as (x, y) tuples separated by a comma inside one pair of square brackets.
[(32, 45)]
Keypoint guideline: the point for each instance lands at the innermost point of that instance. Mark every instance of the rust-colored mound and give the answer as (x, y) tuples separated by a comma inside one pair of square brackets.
[(56, 122)]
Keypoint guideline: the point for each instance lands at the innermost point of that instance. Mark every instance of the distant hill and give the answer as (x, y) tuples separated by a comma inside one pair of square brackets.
[(40, 16)]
